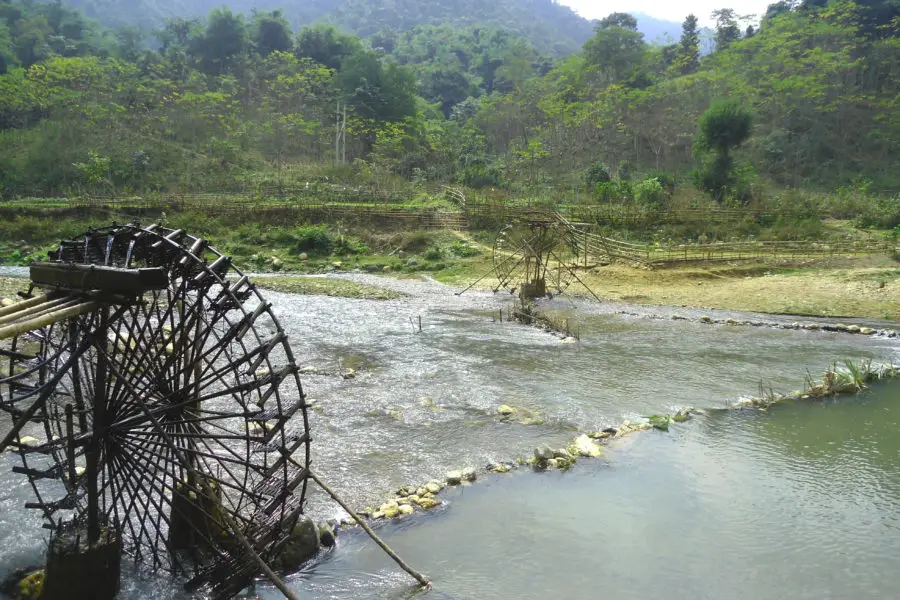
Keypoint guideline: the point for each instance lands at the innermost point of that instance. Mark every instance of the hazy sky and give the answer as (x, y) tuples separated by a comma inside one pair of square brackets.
[(673, 11)]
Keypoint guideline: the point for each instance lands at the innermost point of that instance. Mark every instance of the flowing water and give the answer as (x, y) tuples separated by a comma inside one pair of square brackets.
[(797, 502)]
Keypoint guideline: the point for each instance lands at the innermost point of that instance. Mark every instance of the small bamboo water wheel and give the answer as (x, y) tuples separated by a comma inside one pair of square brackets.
[(156, 407)]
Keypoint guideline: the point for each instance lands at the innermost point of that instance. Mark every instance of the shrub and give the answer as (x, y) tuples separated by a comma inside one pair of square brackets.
[(433, 253), (650, 192), (614, 191), (314, 239), (597, 173), (883, 213)]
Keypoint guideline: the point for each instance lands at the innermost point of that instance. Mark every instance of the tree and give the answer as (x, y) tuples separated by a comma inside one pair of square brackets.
[(224, 41), (617, 47), (377, 91), (325, 45), (723, 128), (270, 32), (688, 54), (727, 29)]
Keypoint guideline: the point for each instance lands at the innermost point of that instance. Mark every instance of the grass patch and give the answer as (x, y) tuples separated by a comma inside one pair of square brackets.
[(10, 285), (325, 286)]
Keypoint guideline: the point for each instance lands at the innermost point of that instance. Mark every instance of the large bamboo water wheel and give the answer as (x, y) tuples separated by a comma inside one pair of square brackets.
[(536, 255), (155, 405)]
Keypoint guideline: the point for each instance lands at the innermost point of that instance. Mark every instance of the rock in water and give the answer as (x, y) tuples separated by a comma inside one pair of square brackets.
[(505, 410), (543, 453), (427, 503), (301, 546), (390, 509), (469, 474), (406, 509), (4, 302), (434, 486), (326, 535), (454, 477), (587, 447)]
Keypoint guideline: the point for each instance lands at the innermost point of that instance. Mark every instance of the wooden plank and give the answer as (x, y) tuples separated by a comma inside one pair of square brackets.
[(111, 280)]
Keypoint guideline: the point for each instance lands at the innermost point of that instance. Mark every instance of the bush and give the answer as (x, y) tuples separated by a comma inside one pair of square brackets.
[(597, 173), (461, 249), (614, 191), (650, 192), (883, 213), (666, 179), (313, 239), (433, 253)]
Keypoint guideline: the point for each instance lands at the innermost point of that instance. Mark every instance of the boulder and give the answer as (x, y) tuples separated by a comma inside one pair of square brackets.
[(349, 373), (866, 330), (587, 447), (706, 319), (543, 453), (469, 474), (302, 545), (505, 410), (406, 509), (601, 435), (326, 535), (412, 262), (387, 269), (454, 477), (4, 302), (553, 463), (568, 340), (433, 487), (336, 265), (854, 328), (304, 256), (390, 509)]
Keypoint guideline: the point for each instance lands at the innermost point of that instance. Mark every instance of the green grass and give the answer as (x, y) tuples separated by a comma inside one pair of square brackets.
[(321, 286)]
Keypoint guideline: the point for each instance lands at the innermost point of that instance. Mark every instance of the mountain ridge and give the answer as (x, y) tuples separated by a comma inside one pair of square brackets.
[(553, 28)]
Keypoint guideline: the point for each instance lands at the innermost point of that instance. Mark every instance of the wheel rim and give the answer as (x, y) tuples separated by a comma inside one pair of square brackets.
[(203, 366)]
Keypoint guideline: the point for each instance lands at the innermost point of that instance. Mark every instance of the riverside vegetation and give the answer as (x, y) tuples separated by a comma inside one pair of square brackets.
[(783, 130)]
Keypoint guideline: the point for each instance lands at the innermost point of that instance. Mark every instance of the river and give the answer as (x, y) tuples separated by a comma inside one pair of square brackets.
[(800, 501)]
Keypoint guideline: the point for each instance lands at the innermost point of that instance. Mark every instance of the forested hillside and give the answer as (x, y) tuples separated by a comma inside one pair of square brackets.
[(810, 98), (553, 28)]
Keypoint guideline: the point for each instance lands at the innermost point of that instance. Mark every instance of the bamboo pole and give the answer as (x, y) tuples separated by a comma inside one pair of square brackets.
[(45, 320), (23, 305), (423, 581)]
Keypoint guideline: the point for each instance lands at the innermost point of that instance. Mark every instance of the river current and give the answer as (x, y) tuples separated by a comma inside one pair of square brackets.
[(801, 501)]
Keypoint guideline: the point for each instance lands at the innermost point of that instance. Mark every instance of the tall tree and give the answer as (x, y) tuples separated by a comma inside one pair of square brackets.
[(688, 55), (270, 32), (224, 41), (727, 29), (616, 49), (326, 45)]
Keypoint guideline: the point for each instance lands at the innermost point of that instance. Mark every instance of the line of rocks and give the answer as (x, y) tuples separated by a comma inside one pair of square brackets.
[(833, 327)]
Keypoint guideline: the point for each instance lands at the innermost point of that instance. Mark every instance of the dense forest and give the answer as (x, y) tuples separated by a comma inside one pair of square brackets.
[(553, 28), (807, 97)]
